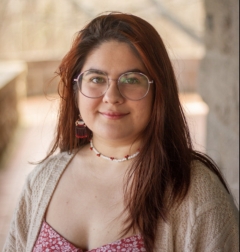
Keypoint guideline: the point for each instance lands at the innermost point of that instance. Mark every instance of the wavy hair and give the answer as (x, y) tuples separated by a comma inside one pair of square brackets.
[(160, 175)]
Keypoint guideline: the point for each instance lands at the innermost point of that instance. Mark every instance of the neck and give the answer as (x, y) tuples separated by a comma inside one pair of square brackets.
[(115, 149)]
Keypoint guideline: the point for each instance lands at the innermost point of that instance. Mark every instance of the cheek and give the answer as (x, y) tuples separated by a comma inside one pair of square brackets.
[(82, 105), (148, 105), (144, 111), (86, 107)]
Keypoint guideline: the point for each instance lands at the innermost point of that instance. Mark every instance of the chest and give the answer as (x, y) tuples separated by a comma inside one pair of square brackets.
[(89, 211)]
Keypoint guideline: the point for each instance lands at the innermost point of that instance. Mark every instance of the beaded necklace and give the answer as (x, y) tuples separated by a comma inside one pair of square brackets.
[(127, 157)]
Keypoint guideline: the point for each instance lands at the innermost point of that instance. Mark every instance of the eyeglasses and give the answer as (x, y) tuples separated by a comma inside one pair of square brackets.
[(131, 85)]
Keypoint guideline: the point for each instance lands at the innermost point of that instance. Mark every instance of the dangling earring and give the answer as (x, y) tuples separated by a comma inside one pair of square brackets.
[(81, 128)]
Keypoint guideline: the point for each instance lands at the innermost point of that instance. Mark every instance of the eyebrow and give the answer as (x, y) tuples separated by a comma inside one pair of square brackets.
[(135, 70), (103, 72), (96, 71)]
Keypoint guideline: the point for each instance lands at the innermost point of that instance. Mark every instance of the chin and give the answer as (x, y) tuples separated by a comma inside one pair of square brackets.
[(113, 134)]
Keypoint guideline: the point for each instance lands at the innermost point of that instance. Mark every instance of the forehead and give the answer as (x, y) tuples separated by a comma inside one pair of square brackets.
[(113, 57)]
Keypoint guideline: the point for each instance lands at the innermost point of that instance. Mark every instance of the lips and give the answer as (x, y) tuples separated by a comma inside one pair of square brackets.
[(113, 115)]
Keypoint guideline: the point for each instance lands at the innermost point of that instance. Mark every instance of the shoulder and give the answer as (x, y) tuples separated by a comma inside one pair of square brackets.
[(206, 188), (50, 169), (206, 195), (33, 201), (207, 218)]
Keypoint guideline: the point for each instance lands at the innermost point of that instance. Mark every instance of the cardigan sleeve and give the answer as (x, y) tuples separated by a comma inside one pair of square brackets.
[(206, 220), (215, 229), (213, 217), (33, 202), (17, 236)]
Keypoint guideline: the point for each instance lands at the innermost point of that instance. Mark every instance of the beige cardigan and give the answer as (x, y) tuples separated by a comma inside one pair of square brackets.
[(207, 220)]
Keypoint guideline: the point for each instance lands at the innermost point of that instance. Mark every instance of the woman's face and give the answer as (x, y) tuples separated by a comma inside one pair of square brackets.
[(111, 116)]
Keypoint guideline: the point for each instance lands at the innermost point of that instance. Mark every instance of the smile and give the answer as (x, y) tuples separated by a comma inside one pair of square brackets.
[(113, 115)]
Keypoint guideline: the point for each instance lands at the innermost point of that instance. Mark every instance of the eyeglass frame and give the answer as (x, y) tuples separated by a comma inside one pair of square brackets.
[(117, 80)]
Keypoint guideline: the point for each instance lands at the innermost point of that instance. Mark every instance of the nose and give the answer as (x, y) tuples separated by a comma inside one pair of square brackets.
[(112, 94)]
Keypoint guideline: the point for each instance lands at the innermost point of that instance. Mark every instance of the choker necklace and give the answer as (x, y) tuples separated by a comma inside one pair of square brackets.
[(127, 157)]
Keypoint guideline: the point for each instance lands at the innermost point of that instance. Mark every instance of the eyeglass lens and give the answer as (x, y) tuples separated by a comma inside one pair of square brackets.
[(132, 85)]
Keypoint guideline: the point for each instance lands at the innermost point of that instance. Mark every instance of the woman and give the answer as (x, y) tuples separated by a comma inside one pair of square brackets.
[(126, 175)]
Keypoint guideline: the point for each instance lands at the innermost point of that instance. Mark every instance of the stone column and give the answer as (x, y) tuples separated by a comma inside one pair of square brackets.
[(219, 86)]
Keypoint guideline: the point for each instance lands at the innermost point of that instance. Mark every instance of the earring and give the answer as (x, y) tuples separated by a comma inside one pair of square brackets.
[(81, 128)]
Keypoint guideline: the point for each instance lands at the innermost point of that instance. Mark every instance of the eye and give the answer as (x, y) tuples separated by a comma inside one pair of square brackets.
[(132, 81), (94, 78), (98, 80)]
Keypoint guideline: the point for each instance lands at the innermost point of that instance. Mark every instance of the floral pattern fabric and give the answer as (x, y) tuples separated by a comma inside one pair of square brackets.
[(50, 241)]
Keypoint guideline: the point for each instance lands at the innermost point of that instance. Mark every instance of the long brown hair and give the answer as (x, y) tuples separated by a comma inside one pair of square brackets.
[(163, 165)]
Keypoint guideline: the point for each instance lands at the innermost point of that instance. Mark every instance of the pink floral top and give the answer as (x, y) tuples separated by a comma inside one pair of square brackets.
[(50, 241)]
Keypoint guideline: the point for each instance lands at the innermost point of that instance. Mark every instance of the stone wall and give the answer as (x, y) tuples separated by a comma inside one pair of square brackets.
[(41, 77), (12, 88), (219, 86), (186, 71)]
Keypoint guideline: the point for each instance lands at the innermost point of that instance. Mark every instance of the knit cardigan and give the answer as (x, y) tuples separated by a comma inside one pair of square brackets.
[(206, 220)]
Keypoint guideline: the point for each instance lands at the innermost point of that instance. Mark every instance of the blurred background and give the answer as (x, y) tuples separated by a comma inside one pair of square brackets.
[(201, 37)]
